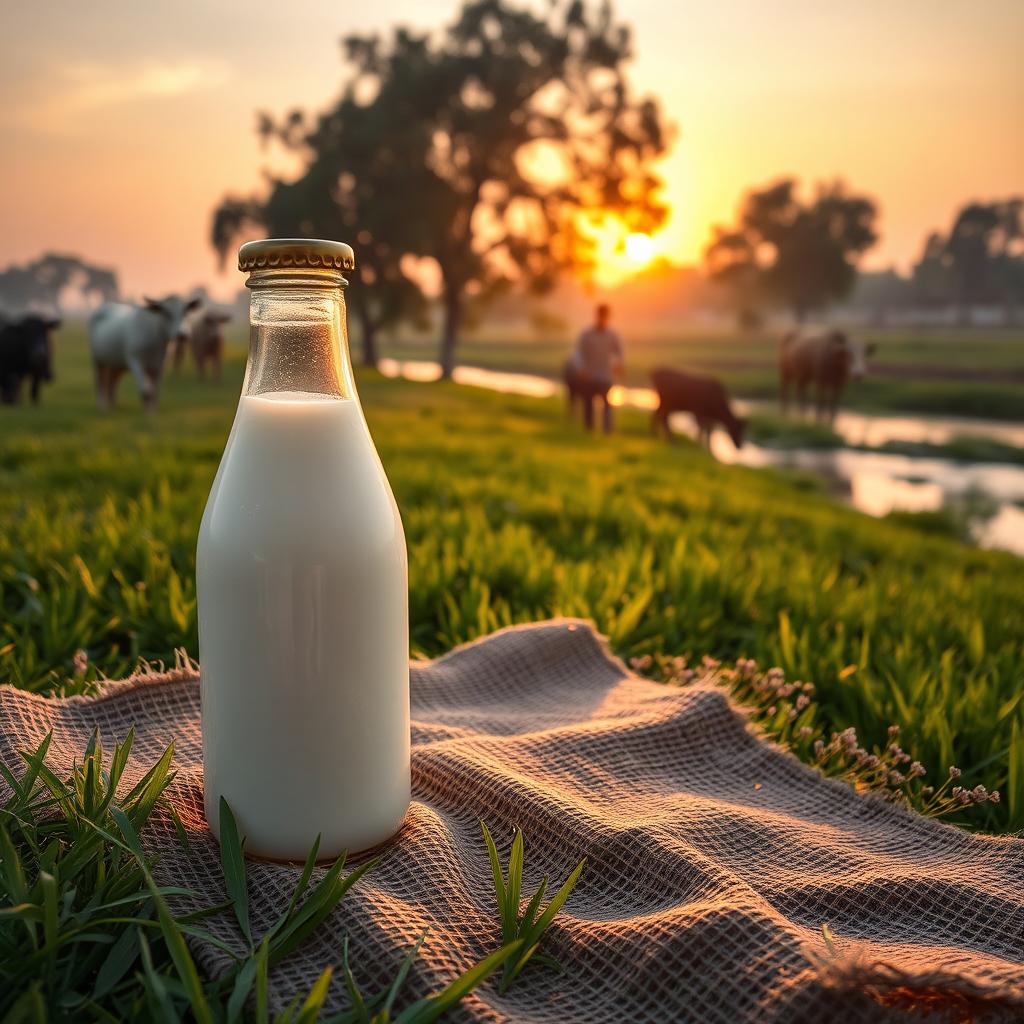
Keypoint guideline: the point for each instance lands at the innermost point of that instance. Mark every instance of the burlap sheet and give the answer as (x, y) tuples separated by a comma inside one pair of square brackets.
[(712, 858)]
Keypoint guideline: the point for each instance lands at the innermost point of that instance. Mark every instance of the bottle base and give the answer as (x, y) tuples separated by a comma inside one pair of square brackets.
[(352, 857)]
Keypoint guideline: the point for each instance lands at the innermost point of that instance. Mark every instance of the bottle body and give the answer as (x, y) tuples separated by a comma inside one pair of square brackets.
[(303, 620)]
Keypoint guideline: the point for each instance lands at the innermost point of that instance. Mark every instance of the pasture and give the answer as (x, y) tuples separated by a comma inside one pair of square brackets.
[(512, 514), (972, 372)]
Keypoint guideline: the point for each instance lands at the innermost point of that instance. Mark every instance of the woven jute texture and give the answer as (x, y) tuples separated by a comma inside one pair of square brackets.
[(713, 858)]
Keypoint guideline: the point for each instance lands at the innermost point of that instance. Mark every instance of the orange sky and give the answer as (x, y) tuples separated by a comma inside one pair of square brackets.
[(124, 124)]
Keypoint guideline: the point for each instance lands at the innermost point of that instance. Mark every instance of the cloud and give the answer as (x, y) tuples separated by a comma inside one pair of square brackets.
[(78, 89), (90, 86)]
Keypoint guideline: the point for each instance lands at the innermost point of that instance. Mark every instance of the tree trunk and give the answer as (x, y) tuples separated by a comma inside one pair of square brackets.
[(450, 335), (367, 328), (369, 337)]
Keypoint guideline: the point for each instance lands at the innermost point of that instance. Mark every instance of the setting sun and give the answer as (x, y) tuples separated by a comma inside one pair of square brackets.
[(639, 249)]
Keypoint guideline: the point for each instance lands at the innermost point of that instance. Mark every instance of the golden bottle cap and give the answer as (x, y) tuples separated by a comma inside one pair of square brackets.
[(296, 252)]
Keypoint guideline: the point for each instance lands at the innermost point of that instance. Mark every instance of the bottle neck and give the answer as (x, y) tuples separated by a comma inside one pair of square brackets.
[(298, 336)]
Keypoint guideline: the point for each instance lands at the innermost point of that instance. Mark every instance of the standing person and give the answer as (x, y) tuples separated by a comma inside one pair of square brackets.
[(595, 363)]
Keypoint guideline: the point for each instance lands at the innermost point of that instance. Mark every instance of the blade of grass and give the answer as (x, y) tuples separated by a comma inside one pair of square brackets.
[(499, 880), (425, 1011), (118, 961), (244, 980), (358, 1005), (311, 1008), (173, 937), (232, 860)]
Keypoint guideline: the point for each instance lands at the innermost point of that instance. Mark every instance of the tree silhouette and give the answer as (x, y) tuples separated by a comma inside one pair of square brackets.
[(39, 284), (483, 147), (980, 261), (795, 254)]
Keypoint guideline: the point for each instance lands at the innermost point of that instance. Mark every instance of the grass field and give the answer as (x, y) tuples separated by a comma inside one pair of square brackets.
[(511, 514), (746, 362)]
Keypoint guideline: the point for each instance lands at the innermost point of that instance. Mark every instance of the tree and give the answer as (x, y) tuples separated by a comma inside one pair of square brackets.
[(40, 284), (350, 189), (980, 261), (796, 254), (484, 147), (732, 262), (984, 251)]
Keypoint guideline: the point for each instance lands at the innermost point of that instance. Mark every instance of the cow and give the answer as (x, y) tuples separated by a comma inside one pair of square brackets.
[(206, 340), (135, 338), (828, 360), (705, 397), (26, 351)]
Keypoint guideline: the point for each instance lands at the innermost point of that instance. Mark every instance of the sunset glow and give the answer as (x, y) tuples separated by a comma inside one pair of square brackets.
[(639, 249), (158, 126), (620, 254)]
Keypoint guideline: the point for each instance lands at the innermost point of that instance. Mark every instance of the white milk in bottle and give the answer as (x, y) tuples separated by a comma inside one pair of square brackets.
[(302, 583)]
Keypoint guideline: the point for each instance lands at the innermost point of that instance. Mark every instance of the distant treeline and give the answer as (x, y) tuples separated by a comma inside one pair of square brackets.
[(800, 255), (43, 284)]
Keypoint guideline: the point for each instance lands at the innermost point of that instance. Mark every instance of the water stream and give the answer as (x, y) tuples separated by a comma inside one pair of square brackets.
[(873, 482)]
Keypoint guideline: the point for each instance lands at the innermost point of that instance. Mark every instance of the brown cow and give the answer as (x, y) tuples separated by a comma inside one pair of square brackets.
[(206, 340), (828, 360), (705, 397)]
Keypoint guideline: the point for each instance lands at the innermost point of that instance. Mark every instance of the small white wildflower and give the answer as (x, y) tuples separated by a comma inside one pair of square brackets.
[(954, 772)]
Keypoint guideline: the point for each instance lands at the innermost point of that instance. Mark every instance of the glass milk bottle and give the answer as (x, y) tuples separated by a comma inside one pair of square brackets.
[(302, 583)]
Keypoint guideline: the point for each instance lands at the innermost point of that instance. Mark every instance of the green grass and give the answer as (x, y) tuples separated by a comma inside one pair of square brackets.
[(87, 934), (747, 363), (512, 514)]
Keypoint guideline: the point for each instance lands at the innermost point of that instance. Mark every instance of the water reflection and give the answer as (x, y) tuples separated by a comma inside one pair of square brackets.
[(873, 482)]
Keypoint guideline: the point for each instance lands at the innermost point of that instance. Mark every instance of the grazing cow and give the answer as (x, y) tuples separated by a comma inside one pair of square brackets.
[(26, 350), (135, 338), (206, 340), (704, 397), (827, 360)]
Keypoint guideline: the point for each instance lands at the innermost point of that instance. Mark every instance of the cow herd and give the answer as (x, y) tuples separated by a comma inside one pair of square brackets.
[(814, 366), (123, 338)]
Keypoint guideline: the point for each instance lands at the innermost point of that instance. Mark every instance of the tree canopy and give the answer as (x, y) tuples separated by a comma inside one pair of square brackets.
[(483, 148), (979, 261), (40, 283), (789, 252)]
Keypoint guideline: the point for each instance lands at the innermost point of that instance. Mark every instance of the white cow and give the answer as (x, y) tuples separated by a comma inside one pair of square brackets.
[(135, 338), (825, 360)]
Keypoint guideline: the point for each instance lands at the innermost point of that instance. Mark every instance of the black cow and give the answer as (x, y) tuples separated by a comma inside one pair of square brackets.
[(704, 397), (26, 350)]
